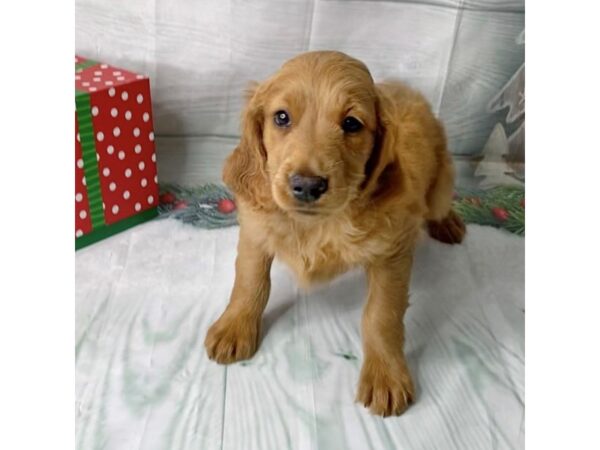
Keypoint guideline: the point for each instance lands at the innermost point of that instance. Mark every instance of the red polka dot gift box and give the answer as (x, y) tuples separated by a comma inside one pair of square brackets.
[(115, 163)]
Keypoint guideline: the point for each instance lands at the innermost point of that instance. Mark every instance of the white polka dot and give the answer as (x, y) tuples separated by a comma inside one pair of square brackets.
[(95, 111), (106, 171), (93, 89), (78, 233), (83, 181), (151, 135), (153, 157), (155, 179), (136, 132), (146, 117), (85, 83), (110, 149), (138, 206), (112, 186), (141, 165), (120, 78), (124, 95), (83, 214), (96, 79), (103, 66), (150, 199), (140, 77), (121, 155), (78, 197), (80, 163), (111, 92), (128, 115), (97, 156), (138, 148), (114, 112), (100, 136), (116, 131), (116, 73), (127, 173), (140, 98), (115, 209), (78, 138), (103, 206), (144, 182), (78, 77), (98, 72), (126, 195), (108, 83)]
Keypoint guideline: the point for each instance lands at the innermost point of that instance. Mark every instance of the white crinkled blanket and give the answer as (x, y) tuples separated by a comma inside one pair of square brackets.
[(145, 298)]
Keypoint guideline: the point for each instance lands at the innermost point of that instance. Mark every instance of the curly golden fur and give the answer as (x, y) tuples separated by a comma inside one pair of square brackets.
[(386, 180)]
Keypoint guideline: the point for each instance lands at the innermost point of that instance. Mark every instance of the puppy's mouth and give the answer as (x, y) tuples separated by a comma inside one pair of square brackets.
[(316, 211), (306, 211), (310, 212)]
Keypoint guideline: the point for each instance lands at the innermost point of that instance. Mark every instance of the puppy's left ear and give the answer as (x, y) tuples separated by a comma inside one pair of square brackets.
[(382, 171)]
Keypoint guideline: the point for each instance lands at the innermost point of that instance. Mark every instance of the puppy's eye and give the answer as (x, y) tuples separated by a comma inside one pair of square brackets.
[(282, 119), (351, 125)]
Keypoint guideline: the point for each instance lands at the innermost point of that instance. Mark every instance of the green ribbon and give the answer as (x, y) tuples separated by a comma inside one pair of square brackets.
[(90, 163)]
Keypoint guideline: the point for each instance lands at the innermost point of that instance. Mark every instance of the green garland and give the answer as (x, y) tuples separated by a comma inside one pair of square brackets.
[(200, 206), (500, 207), (212, 206)]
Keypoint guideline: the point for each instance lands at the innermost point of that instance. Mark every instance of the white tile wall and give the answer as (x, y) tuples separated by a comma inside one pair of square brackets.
[(201, 54)]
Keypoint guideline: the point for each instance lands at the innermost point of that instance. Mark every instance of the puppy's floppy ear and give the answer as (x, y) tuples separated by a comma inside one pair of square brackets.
[(382, 170), (245, 171)]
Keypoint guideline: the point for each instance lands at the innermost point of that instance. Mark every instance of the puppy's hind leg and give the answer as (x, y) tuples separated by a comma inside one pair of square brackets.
[(443, 223), (450, 230)]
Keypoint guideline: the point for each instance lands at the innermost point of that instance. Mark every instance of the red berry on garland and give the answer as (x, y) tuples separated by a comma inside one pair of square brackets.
[(180, 204), (167, 198), (226, 206), (500, 213)]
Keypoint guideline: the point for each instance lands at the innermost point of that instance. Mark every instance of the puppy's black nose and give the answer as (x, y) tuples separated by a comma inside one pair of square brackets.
[(307, 189)]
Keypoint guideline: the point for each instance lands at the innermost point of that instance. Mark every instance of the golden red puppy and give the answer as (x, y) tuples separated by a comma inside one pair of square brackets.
[(332, 172)]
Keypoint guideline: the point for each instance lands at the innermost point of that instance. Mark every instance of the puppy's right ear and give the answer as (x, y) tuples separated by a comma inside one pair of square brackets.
[(382, 171), (245, 170)]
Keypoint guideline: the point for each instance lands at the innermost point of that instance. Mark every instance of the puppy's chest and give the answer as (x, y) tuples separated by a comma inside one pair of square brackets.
[(320, 253)]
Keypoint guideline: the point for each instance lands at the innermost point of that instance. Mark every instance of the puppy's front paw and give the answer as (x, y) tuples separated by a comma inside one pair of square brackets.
[(232, 339), (386, 389)]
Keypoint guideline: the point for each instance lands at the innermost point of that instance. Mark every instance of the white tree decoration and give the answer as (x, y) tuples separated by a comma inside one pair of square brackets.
[(503, 157)]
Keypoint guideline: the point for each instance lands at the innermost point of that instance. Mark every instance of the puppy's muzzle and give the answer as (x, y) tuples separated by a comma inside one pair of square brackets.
[(307, 189)]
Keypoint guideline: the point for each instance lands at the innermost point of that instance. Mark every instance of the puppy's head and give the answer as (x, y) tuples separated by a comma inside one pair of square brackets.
[(311, 136)]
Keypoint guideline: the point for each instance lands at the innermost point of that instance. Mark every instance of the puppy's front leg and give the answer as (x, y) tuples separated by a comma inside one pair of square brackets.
[(385, 385), (234, 336)]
